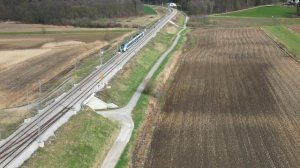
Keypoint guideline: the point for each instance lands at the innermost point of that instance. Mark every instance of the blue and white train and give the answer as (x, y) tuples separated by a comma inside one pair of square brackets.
[(125, 46)]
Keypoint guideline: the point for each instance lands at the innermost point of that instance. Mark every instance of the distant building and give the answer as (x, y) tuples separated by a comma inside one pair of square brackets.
[(174, 5)]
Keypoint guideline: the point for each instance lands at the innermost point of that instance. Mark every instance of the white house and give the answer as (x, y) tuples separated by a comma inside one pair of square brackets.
[(174, 5)]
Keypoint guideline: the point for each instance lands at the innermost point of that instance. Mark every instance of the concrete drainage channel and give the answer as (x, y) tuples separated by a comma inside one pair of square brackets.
[(123, 115)]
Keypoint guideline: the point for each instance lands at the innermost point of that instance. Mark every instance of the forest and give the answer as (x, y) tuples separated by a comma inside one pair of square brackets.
[(67, 11), (199, 7), (84, 12)]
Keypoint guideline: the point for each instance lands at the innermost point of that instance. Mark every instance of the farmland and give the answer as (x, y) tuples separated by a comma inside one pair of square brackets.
[(257, 16), (27, 58), (31, 54), (265, 11), (234, 102)]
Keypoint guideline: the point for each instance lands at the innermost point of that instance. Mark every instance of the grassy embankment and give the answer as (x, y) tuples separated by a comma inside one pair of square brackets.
[(283, 35), (265, 11), (124, 85), (81, 143), (142, 105)]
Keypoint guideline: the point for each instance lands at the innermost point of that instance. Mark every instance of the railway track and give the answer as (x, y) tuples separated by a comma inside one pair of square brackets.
[(27, 134)]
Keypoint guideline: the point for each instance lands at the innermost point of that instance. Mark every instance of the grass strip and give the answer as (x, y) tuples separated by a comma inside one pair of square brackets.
[(81, 143), (148, 10), (124, 85), (138, 118), (283, 35), (265, 11), (141, 107)]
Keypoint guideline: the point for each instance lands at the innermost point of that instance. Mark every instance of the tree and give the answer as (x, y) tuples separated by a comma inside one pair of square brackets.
[(298, 8), (196, 7), (67, 11)]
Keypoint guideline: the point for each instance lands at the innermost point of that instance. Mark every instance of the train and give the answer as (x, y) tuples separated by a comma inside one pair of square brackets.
[(125, 46)]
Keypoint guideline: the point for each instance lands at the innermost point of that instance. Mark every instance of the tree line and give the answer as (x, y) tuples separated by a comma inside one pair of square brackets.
[(298, 9), (198, 7), (67, 11)]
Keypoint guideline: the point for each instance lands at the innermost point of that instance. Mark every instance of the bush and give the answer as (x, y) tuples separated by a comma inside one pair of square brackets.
[(149, 88)]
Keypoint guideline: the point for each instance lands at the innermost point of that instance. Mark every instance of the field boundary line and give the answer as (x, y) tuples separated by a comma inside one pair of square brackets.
[(218, 14), (280, 45)]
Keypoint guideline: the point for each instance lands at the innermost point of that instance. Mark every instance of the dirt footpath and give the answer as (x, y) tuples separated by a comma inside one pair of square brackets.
[(234, 102), (295, 28)]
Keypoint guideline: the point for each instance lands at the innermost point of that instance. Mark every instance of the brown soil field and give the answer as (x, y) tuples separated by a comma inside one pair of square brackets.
[(21, 27), (234, 102), (295, 28), (9, 42), (26, 59), (232, 22)]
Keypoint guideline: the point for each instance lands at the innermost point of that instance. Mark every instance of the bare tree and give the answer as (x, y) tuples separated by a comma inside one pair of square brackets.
[(67, 11), (298, 8)]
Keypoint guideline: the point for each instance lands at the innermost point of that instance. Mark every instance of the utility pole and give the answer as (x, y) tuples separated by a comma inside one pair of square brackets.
[(39, 108), (40, 94), (100, 55), (39, 129), (75, 68), (74, 71), (27, 98), (1, 133)]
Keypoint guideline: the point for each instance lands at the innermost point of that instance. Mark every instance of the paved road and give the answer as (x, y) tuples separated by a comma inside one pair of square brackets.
[(123, 115), (18, 147)]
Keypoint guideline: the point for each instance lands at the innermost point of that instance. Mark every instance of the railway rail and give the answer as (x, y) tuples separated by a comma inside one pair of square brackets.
[(30, 132)]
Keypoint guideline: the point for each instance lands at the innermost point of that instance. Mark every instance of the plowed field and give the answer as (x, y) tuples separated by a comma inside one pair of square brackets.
[(234, 103), (26, 59)]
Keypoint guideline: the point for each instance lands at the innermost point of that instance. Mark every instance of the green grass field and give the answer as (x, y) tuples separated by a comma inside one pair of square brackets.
[(289, 39), (148, 10), (265, 11), (81, 143), (217, 21)]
